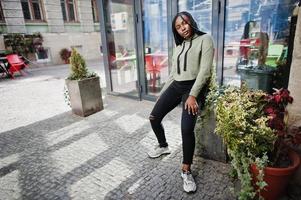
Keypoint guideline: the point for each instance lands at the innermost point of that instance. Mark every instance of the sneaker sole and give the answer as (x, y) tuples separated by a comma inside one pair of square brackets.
[(157, 156), (190, 192)]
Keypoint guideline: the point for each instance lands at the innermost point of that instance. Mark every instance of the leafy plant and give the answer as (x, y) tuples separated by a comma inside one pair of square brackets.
[(214, 91), (278, 121), (254, 127), (78, 67), (242, 125), (65, 54), (37, 42), (23, 44)]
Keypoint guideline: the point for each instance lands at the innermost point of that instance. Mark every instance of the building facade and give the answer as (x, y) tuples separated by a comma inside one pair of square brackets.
[(62, 24), (254, 41)]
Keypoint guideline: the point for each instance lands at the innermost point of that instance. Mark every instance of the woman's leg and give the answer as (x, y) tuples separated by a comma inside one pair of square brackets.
[(167, 102), (187, 128), (188, 122)]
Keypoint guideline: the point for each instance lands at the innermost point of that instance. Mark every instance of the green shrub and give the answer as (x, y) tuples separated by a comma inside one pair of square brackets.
[(78, 67), (242, 124)]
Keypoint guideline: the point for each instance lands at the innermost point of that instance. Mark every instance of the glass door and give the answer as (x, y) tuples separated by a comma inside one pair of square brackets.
[(155, 42), (120, 32)]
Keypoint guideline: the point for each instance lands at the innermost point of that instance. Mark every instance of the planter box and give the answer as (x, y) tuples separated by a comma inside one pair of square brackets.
[(85, 96), (208, 144), (257, 79)]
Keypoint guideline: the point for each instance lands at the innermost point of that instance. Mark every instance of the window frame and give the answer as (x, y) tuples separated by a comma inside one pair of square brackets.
[(2, 18), (95, 11), (67, 6), (32, 13)]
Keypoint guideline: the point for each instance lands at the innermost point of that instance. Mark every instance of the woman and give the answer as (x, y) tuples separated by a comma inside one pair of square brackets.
[(187, 83)]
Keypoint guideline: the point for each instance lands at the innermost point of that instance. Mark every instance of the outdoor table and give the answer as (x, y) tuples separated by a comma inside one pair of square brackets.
[(4, 66)]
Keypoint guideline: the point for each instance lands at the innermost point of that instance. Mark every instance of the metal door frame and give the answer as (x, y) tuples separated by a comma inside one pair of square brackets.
[(138, 27), (218, 34)]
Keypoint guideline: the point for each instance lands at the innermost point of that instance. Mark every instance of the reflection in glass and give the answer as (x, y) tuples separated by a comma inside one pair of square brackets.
[(156, 44), (121, 45), (201, 10), (256, 42)]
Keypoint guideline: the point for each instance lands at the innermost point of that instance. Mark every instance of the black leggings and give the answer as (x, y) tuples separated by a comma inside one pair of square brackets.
[(176, 93)]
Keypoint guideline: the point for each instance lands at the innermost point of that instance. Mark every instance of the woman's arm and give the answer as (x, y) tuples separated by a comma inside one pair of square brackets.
[(205, 67)]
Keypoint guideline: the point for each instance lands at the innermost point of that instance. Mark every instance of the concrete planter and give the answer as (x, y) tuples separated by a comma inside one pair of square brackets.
[(85, 96), (208, 144)]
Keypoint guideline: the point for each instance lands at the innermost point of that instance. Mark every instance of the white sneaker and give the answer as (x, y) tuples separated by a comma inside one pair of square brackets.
[(188, 182), (158, 151)]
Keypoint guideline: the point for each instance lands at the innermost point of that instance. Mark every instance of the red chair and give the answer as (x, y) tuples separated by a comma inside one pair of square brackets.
[(244, 48), (15, 63), (153, 68)]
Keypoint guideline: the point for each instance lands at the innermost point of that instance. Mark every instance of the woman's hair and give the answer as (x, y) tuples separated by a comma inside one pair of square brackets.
[(246, 33), (179, 39)]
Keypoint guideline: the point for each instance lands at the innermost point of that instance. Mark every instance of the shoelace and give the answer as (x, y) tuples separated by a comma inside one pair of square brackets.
[(188, 178)]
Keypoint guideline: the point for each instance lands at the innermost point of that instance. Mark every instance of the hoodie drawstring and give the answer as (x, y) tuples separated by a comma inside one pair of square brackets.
[(185, 58), (178, 59)]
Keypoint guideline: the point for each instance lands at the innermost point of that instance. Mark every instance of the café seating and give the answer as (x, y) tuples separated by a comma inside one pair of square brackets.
[(153, 67), (3, 69), (15, 64), (274, 54)]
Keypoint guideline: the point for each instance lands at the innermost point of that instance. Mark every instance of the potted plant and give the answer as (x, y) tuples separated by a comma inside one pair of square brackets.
[(208, 144), (65, 55), (253, 126), (83, 87)]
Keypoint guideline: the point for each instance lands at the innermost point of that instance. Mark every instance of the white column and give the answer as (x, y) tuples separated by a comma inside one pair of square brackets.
[(295, 74)]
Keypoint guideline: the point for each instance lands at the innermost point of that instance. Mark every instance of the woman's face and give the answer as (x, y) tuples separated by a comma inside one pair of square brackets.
[(182, 27)]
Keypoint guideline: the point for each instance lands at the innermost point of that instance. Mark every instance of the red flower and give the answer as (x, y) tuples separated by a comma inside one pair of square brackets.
[(285, 93), (278, 123), (269, 110), (290, 99), (277, 98)]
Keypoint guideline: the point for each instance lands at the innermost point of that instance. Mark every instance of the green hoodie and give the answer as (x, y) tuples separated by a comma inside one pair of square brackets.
[(192, 60)]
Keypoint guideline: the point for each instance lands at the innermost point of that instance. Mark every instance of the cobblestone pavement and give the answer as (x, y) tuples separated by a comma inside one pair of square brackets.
[(48, 153)]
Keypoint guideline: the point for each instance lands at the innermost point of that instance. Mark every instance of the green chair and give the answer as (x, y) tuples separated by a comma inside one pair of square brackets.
[(274, 54)]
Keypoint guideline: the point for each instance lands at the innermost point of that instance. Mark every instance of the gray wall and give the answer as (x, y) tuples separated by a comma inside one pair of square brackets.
[(13, 14)]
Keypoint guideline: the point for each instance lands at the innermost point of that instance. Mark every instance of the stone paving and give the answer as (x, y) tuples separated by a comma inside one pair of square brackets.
[(48, 153)]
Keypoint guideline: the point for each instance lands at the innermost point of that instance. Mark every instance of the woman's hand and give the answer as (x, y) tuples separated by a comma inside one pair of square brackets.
[(191, 105)]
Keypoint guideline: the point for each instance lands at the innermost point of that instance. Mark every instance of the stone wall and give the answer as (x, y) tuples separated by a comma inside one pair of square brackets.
[(54, 16), (13, 14), (88, 44), (85, 15), (295, 74), (295, 108)]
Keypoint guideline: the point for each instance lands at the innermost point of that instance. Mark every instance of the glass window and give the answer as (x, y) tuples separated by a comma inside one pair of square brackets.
[(68, 10), (256, 42), (64, 10), (120, 22), (71, 10), (201, 10), (156, 44), (94, 11), (1, 13), (26, 11), (32, 10), (36, 9)]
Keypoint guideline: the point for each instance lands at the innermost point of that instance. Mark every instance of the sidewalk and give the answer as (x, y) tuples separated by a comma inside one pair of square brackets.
[(48, 153)]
